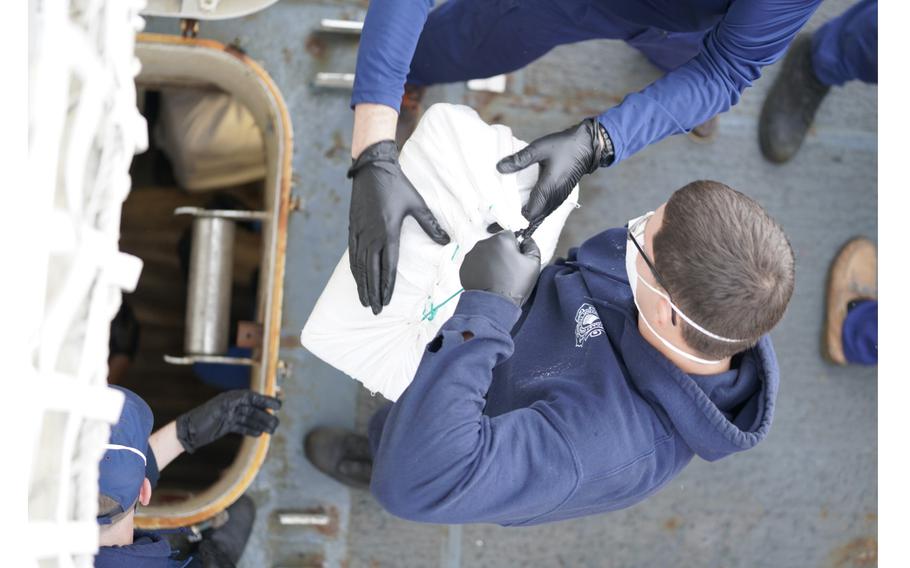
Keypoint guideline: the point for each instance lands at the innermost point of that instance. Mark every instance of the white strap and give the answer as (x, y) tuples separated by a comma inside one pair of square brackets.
[(688, 319), (127, 448)]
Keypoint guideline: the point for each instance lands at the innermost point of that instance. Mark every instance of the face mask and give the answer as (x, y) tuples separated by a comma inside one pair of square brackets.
[(637, 225)]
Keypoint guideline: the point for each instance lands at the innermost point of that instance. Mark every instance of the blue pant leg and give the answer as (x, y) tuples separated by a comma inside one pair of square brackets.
[(846, 48), (475, 39), (374, 428), (860, 334)]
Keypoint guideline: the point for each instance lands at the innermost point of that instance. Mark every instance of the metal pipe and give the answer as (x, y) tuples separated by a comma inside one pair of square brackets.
[(350, 27), (305, 519), (208, 300), (328, 80)]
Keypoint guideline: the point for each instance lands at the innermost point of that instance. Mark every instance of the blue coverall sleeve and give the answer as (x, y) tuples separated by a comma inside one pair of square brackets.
[(752, 34), (441, 460), (390, 33)]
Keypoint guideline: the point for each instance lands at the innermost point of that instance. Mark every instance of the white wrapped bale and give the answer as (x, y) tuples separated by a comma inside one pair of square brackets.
[(451, 160)]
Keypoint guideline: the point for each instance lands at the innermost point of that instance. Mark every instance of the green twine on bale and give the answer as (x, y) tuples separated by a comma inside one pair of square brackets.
[(431, 313)]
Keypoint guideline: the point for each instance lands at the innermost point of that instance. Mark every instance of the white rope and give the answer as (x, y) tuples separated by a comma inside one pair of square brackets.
[(84, 128)]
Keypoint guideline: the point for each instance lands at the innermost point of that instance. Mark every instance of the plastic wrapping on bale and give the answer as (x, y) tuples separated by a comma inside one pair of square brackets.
[(451, 160)]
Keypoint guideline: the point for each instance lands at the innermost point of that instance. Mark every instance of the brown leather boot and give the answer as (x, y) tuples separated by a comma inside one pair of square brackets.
[(410, 113), (853, 276)]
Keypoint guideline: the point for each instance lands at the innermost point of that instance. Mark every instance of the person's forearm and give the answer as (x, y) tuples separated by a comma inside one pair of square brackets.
[(441, 460), (431, 434), (750, 36), (165, 444), (390, 34), (372, 123)]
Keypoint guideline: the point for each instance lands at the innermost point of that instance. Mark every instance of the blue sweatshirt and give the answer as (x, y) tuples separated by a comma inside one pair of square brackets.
[(744, 36), (148, 550), (572, 413)]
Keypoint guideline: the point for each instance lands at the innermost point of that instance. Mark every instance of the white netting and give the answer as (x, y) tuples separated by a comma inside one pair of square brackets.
[(84, 128)]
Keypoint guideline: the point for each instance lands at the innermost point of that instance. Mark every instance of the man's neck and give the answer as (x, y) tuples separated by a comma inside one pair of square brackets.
[(118, 534), (685, 365)]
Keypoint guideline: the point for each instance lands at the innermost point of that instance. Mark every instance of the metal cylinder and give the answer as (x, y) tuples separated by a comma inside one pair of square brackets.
[(208, 297)]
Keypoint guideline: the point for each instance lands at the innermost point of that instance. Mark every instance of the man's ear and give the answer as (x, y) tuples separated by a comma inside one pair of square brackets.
[(664, 312), (145, 492)]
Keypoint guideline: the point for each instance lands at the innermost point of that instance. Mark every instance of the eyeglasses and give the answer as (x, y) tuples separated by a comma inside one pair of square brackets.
[(639, 227)]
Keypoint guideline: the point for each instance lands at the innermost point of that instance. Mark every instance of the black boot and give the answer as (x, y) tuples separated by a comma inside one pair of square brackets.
[(124, 337), (791, 104), (341, 454), (223, 548)]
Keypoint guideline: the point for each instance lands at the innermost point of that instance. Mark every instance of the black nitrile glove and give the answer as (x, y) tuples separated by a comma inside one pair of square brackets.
[(237, 411), (502, 266), (563, 157), (381, 198)]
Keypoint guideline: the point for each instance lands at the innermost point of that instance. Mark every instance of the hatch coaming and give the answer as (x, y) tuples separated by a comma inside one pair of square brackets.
[(172, 61)]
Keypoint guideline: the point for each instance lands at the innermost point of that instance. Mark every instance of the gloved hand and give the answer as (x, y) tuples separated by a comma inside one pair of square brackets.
[(563, 157), (237, 411), (502, 266), (381, 198)]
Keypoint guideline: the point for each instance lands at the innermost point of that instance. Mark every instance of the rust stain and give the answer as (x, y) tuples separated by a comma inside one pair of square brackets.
[(287, 54), (291, 340), (236, 48), (672, 524), (857, 553), (823, 514), (315, 46), (305, 560), (871, 517), (338, 147), (482, 100), (331, 529)]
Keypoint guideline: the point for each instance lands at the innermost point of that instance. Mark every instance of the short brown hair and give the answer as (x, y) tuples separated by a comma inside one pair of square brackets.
[(727, 264)]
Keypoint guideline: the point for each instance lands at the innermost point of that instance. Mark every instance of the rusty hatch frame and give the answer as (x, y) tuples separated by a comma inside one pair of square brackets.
[(263, 98)]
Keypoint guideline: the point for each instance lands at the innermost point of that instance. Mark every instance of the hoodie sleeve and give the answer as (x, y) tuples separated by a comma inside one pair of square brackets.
[(441, 460), (752, 34)]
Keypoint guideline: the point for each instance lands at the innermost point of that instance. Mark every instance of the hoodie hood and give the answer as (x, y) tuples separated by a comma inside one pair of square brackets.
[(716, 415)]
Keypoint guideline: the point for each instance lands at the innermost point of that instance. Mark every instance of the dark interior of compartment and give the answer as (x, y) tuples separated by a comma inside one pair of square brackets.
[(151, 231)]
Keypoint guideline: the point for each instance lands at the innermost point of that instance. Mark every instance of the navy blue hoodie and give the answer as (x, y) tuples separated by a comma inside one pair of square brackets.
[(148, 550), (570, 413)]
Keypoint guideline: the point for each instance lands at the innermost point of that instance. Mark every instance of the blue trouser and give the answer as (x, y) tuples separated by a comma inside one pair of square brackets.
[(846, 48), (473, 39), (860, 333)]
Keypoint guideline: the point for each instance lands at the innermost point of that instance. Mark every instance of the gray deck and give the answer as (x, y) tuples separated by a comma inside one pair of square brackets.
[(805, 497)]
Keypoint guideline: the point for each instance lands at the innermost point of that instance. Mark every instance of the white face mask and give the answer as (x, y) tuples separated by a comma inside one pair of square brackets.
[(637, 226)]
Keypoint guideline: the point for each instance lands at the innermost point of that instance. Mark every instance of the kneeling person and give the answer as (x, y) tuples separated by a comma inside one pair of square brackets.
[(645, 347), (129, 471)]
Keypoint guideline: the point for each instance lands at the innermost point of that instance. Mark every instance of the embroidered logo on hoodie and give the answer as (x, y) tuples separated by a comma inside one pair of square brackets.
[(587, 324)]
